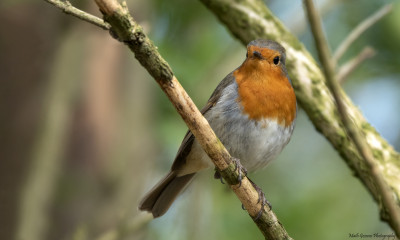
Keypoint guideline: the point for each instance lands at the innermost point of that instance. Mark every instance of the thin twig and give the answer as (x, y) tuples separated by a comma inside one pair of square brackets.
[(362, 27), (352, 130), (71, 10), (352, 64)]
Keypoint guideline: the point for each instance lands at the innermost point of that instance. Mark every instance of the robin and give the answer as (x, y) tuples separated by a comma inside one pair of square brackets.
[(252, 111)]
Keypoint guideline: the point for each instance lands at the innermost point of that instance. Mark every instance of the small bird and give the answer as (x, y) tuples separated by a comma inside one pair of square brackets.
[(252, 111)]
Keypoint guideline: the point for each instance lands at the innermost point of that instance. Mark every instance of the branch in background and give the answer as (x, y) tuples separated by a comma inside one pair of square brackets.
[(126, 227), (357, 31), (71, 10), (251, 19), (40, 184), (328, 66), (129, 32), (351, 65)]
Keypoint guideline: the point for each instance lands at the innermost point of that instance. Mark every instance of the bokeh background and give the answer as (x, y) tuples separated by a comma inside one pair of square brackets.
[(85, 131)]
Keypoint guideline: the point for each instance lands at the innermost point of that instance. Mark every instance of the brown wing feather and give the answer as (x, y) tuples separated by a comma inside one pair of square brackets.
[(188, 140)]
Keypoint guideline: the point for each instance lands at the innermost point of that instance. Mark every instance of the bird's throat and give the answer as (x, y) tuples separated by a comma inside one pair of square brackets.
[(265, 93)]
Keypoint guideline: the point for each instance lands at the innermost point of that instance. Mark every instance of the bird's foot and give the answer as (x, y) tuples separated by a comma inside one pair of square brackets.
[(240, 168), (261, 199), (217, 175)]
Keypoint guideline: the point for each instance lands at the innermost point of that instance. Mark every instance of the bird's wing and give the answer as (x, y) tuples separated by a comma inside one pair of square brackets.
[(188, 140)]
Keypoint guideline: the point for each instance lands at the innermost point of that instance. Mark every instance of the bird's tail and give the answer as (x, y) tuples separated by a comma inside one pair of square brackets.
[(159, 199)]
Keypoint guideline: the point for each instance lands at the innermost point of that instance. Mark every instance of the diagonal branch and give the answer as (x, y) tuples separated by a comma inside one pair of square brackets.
[(128, 31), (251, 19), (352, 130)]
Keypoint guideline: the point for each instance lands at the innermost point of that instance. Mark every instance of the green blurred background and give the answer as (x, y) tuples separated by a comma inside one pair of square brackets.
[(85, 131)]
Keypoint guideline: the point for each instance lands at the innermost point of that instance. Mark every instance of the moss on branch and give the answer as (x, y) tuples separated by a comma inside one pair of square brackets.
[(126, 30)]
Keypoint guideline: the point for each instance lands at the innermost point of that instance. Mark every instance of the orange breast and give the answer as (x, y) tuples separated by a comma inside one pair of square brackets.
[(265, 92)]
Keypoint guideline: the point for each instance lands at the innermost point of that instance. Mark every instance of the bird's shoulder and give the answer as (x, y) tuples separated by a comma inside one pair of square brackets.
[(188, 140)]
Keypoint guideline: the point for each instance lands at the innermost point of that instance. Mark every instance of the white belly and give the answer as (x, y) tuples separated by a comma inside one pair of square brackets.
[(255, 144)]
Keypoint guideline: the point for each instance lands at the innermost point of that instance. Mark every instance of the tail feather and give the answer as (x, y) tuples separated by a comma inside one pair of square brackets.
[(162, 195)]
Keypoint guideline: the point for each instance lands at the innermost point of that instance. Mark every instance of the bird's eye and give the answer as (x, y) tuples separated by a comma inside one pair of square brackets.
[(276, 60)]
